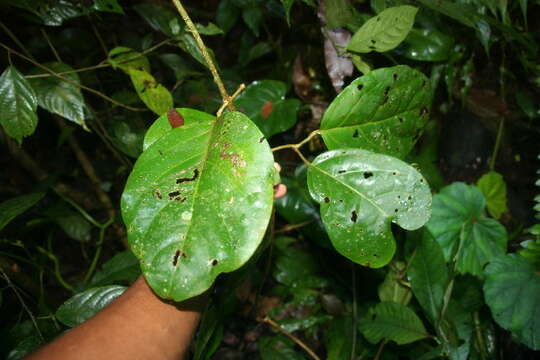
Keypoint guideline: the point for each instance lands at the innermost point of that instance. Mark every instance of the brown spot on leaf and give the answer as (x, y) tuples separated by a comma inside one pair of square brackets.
[(175, 257), (367, 175), (266, 109), (354, 216), (175, 119), (157, 194)]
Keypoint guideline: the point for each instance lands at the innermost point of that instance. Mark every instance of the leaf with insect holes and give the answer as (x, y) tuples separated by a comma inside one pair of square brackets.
[(383, 111), (197, 203), (154, 95), (385, 31), (361, 193)]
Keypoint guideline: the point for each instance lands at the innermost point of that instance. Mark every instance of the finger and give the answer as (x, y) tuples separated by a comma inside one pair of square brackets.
[(279, 191)]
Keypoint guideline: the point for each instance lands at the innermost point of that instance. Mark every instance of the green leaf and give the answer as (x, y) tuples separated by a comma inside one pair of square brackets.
[(428, 276), (384, 31), (13, 207), (253, 17), (162, 126), (278, 347), (60, 97), (25, 347), (108, 6), (462, 230), (339, 338), (493, 187), (512, 292), (126, 59), (427, 45), (159, 18), (123, 266), (86, 304), (189, 45), (392, 321), (18, 105), (339, 13), (383, 111), (127, 135), (392, 288), (197, 203), (361, 193), (287, 4), (73, 223), (456, 11), (154, 95), (210, 29), (227, 15), (265, 104)]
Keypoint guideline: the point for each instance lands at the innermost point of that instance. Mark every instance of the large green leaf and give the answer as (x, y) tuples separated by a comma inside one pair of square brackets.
[(383, 111), (361, 193), (58, 96), (162, 126), (18, 105), (493, 187), (392, 321), (154, 95), (197, 203), (264, 102), (123, 266), (384, 31), (429, 276), (13, 207), (83, 306), (512, 292), (462, 230), (427, 45)]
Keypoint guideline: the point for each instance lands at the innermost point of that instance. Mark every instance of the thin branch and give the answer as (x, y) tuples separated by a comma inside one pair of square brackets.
[(231, 99), (104, 63), (497, 145), (15, 40), (70, 81), (299, 342), (291, 227), (380, 350), (296, 147), (206, 56), (14, 288), (98, 36), (50, 45)]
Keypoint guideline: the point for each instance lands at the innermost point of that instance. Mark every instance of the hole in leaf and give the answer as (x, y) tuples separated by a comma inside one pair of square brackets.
[(394, 173), (214, 262), (261, 139), (373, 41), (400, 119), (175, 258), (355, 133), (360, 87), (354, 216), (367, 175), (160, 152), (409, 198), (327, 199), (342, 171), (395, 76), (173, 194), (185, 179), (376, 255), (157, 194), (395, 210)]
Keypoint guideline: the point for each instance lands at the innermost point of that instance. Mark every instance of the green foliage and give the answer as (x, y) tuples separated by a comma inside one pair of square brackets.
[(154, 95), (464, 233), (86, 304), (512, 292), (14, 207), (123, 266), (18, 105), (383, 111), (392, 321), (493, 187), (362, 193)]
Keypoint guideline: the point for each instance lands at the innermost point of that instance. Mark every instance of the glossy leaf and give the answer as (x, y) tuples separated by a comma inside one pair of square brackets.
[(264, 102), (18, 105), (154, 95), (209, 29), (462, 230), (159, 17), (392, 321), (493, 187), (123, 266), (428, 276), (512, 292), (197, 203), (108, 6), (83, 306), (162, 126), (427, 45), (383, 111), (14, 207), (385, 31), (126, 59), (361, 193), (60, 97), (127, 134)]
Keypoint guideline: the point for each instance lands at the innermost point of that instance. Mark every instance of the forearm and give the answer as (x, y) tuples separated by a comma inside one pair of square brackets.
[(137, 325)]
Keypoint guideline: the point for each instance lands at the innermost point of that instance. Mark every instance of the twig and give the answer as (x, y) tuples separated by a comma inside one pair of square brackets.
[(69, 81), (15, 40), (230, 100), (204, 52), (291, 227), (97, 254), (296, 147), (497, 145), (380, 350), (98, 36), (104, 63), (50, 45), (299, 342), (14, 288)]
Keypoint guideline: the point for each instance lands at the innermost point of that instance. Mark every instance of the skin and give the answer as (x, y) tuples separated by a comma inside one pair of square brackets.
[(138, 325)]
